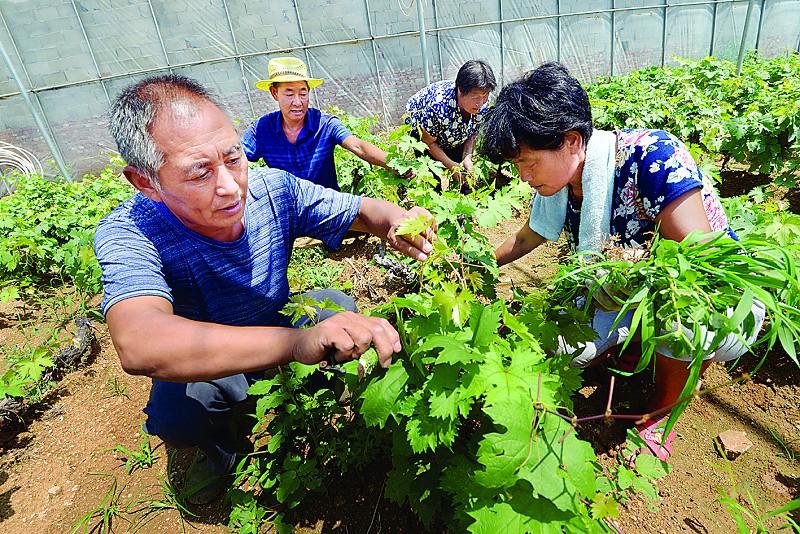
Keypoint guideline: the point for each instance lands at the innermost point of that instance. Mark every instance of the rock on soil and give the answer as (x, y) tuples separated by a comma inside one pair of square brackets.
[(734, 443)]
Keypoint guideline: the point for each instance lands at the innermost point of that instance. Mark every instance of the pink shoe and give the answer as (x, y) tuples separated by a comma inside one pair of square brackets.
[(652, 433)]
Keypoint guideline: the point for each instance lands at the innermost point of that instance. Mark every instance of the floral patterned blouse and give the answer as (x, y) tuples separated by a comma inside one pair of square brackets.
[(653, 168), (434, 108)]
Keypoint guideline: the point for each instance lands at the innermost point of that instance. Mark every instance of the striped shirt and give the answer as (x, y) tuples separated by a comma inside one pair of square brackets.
[(144, 249), (310, 157)]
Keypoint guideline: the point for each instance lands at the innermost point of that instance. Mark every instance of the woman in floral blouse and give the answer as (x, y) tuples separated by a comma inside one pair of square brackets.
[(543, 124), (448, 114)]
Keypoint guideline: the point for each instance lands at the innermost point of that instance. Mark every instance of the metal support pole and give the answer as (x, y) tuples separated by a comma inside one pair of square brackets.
[(91, 52), (438, 39), (502, 47), (713, 31), (240, 60), (742, 44), (558, 30), (760, 23), (30, 84), (613, 31), (422, 42), (158, 33), (51, 144), (377, 70), (305, 50), (664, 34)]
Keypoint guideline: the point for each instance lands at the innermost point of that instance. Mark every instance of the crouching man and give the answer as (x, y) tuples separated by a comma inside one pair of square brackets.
[(195, 268)]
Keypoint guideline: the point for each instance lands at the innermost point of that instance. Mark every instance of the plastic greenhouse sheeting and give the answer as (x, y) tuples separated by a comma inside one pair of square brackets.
[(76, 55)]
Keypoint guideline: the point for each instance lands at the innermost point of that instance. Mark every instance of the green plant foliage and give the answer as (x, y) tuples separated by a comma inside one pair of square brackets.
[(760, 216), (112, 509), (142, 458), (48, 228), (753, 118), (24, 369), (473, 447), (475, 414), (745, 510), (116, 388), (690, 295), (350, 169), (247, 515), (168, 498), (311, 438), (309, 269)]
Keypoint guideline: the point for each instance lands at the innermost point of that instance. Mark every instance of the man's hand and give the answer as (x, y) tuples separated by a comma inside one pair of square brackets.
[(416, 246), (349, 335)]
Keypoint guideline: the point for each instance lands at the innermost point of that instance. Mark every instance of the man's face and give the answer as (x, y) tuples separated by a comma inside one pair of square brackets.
[(292, 99), (204, 175)]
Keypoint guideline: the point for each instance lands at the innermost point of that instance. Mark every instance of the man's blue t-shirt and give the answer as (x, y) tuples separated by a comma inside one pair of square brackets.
[(310, 157), (144, 249)]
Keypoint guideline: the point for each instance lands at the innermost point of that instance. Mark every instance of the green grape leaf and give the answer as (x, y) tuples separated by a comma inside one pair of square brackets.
[(649, 466), (485, 320), (381, 395), (604, 506), (500, 517), (413, 225), (454, 350)]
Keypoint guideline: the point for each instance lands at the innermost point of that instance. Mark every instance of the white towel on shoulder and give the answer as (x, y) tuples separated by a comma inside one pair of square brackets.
[(548, 214)]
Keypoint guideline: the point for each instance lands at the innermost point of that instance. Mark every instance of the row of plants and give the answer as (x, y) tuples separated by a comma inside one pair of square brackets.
[(47, 261), (47, 231), (471, 410), (476, 410), (752, 118)]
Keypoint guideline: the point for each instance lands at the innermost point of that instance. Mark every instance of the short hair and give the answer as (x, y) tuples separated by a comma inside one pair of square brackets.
[(276, 84), (475, 74), (535, 112), (135, 110)]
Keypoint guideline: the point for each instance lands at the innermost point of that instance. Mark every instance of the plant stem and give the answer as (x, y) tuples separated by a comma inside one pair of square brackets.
[(610, 396), (640, 418)]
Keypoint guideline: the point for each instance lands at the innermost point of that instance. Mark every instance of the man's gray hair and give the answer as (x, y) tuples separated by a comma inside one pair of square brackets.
[(134, 112)]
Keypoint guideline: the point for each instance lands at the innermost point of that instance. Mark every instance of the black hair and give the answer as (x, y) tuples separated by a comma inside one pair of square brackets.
[(535, 112), (475, 74)]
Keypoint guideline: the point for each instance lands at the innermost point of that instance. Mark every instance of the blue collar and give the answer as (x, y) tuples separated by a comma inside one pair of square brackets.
[(310, 124)]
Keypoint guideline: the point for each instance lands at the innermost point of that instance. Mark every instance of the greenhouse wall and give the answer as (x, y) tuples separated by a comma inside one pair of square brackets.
[(74, 56)]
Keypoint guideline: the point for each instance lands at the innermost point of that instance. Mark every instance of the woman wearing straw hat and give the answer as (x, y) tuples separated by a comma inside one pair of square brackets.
[(297, 138)]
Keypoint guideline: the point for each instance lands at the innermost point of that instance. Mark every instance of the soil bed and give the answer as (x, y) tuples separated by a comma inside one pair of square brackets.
[(62, 465)]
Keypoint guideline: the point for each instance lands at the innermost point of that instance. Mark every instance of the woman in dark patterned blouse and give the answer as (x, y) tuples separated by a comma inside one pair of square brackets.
[(448, 114)]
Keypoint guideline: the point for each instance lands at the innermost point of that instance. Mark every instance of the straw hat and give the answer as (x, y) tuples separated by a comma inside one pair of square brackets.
[(287, 69)]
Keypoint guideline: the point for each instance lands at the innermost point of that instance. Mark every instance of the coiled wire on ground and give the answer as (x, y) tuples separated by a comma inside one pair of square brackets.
[(14, 159), (397, 272)]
